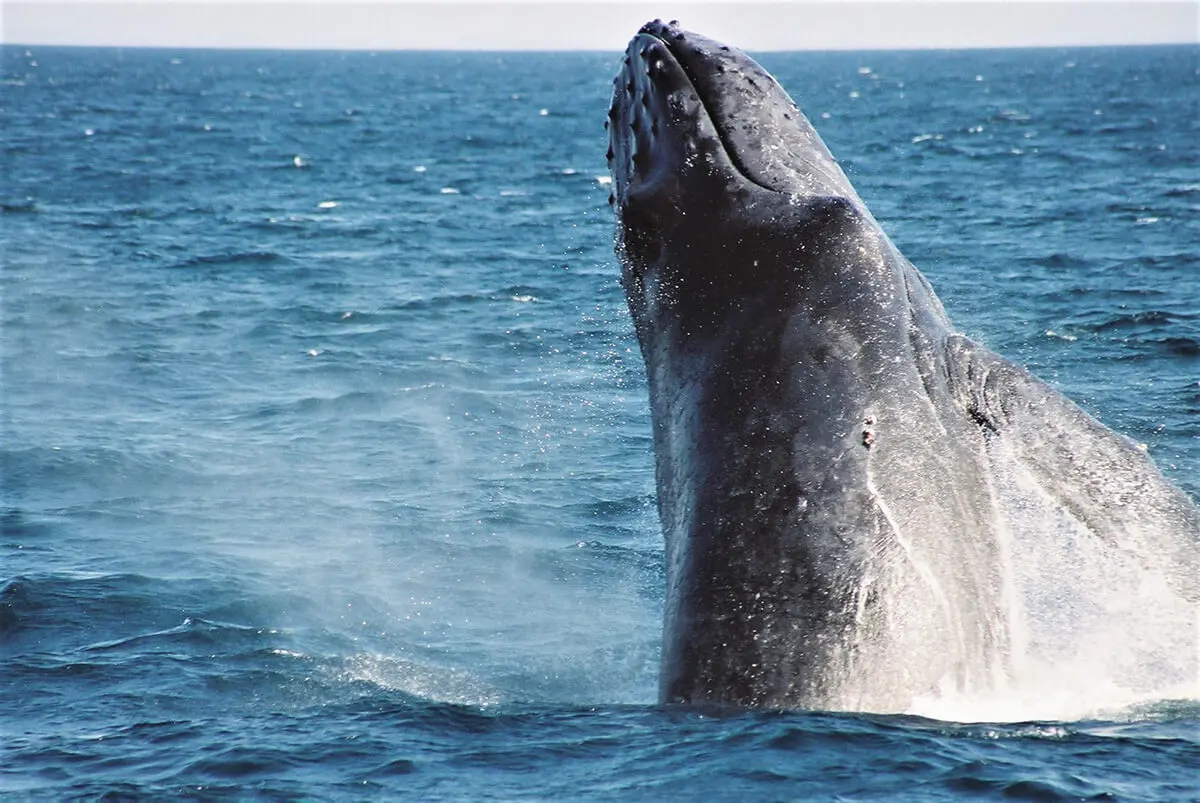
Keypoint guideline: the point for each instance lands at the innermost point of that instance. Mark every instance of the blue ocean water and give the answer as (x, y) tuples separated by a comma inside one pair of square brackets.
[(324, 442)]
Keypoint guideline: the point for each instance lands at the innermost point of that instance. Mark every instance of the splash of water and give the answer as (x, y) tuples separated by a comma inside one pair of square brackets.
[(1095, 627)]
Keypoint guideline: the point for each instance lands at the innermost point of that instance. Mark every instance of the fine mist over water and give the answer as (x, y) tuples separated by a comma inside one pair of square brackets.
[(319, 481)]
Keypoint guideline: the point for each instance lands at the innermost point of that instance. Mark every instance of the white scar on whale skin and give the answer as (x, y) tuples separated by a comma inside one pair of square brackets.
[(919, 566), (949, 618)]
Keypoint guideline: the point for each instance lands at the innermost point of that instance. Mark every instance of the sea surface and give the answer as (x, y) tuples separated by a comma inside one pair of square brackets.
[(325, 449)]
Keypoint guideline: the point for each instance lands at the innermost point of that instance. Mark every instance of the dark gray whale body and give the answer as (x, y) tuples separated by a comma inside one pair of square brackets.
[(851, 493)]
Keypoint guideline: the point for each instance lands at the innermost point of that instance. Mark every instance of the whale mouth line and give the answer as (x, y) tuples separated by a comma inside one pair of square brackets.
[(706, 103)]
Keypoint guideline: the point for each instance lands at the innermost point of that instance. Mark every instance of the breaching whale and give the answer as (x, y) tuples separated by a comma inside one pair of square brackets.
[(861, 506)]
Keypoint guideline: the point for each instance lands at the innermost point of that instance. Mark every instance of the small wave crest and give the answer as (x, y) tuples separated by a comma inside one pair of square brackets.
[(425, 681), (19, 208), (192, 632), (1136, 320), (233, 258)]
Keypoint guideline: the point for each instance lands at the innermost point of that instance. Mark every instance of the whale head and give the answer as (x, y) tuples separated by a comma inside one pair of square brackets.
[(684, 104), (712, 163)]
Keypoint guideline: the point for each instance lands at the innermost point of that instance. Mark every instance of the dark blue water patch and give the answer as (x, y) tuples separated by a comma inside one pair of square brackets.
[(437, 303), (1183, 347), (90, 610), (1145, 320), (19, 208), (1114, 297), (1185, 191), (18, 529), (249, 258), (1064, 262), (1145, 334), (591, 754)]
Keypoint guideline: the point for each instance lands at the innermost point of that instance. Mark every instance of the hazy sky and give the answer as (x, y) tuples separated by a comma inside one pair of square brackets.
[(484, 24)]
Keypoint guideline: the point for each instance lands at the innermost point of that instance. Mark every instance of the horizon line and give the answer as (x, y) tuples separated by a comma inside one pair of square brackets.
[(588, 50), (764, 27)]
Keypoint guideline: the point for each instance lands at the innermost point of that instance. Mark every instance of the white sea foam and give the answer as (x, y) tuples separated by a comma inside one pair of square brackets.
[(438, 683), (1096, 627)]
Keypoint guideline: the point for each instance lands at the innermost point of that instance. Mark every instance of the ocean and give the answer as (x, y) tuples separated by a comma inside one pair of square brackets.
[(325, 449)]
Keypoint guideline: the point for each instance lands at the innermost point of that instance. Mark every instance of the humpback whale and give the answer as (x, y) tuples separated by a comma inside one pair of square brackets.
[(861, 506)]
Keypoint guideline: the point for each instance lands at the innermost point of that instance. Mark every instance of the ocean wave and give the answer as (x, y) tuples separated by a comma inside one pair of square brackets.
[(192, 632), (233, 258), (19, 208), (51, 603), (1144, 319), (357, 502)]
